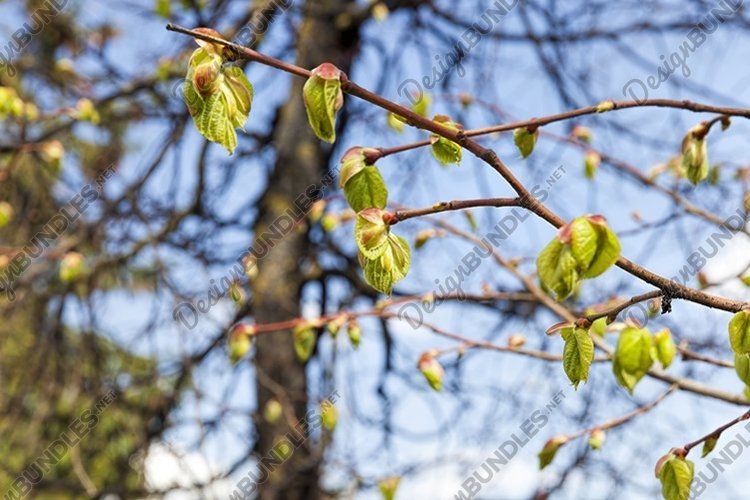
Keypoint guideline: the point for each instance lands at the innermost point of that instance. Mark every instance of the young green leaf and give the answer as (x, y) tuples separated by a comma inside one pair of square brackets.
[(599, 326), (591, 164), (577, 354), (432, 370), (445, 150), (362, 183), (371, 233), (676, 475), (607, 249), (219, 99), (354, 332), (525, 140), (665, 347), (695, 154), (633, 356), (422, 106), (396, 122), (240, 339), (739, 332), (584, 248), (388, 487), (548, 452), (742, 367), (323, 98), (304, 341), (390, 267), (709, 445)]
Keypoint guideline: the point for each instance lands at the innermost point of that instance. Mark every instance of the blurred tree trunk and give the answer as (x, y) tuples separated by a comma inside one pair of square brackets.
[(302, 161)]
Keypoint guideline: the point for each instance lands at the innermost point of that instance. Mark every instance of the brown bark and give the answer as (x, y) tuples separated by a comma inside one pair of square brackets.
[(301, 162)]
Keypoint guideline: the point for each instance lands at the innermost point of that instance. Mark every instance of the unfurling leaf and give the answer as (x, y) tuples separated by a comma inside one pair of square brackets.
[(396, 122), (591, 164), (445, 150), (362, 183), (695, 154), (390, 267), (577, 354), (595, 246), (633, 356), (709, 445), (742, 367), (388, 487), (584, 248), (550, 450), (739, 332), (665, 347), (525, 140), (240, 338), (432, 370), (596, 439), (371, 233), (304, 341), (557, 269), (422, 106), (599, 326), (323, 98), (219, 99), (676, 475)]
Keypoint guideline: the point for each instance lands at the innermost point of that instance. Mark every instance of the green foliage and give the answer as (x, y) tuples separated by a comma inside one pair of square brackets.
[(742, 367), (388, 487), (739, 332), (371, 232), (525, 140), (633, 356), (665, 347), (709, 445), (354, 332), (304, 341), (676, 475), (240, 340), (323, 98), (695, 154), (584, 248), (445, 150), (219, 99), (432, 370), (550, 449), (591, 164), (391, 266), (577, 354), (362, 183)]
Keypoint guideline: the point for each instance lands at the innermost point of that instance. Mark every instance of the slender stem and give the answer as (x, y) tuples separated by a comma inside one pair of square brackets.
[(446, 206), (615, 422), (716, 432), (612, 313)]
